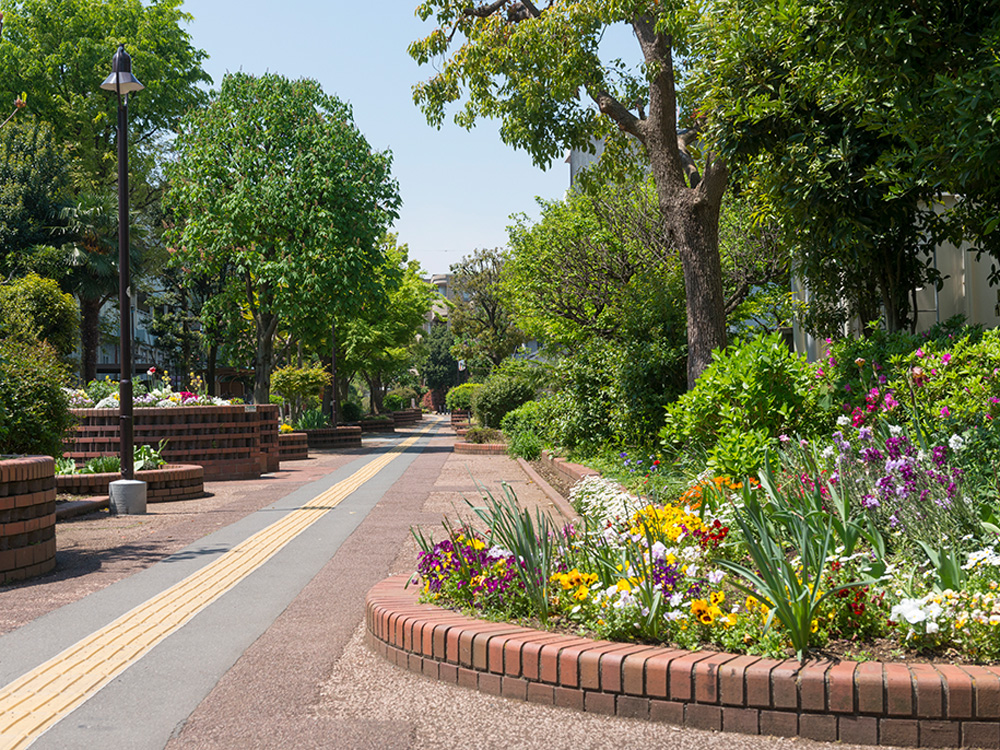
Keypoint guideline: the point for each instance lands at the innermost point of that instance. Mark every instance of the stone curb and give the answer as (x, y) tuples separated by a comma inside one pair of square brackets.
[(869, 703), (564, 507), (481, 449)]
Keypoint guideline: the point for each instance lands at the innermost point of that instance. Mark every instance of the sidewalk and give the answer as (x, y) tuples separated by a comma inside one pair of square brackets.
[(304, 679)]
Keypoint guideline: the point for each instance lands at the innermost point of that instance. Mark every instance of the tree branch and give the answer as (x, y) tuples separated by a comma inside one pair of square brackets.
[(484, 11), (617, 111)]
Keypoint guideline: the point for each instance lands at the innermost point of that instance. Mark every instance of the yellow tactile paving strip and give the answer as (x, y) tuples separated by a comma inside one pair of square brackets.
[(37, 700)]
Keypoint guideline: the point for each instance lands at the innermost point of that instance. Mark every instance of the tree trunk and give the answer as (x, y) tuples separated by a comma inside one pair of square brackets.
[(334, 406), (266, 326), (90, 316), (213, 355)]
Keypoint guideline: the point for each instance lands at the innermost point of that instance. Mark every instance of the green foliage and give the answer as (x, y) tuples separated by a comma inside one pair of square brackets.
[(102, 465), (302, 386), (480, 320), (441, 368), (461, 396), (312, 419), (532, 539), (98, 390), (400, 398), (274, 180), (33, 183), (65, 465), (482, 435), (528, 417), (32, 400), (499, 395), (526, 445), (350, 411), (44, 311), (749, 395), (147, 457)]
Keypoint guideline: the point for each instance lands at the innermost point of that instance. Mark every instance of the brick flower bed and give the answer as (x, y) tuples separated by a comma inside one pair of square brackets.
[(377, 425), (225, 440), (27, 517), (460, 418), (172, 482), (869, 703), (269, 417), (334, 437), (293, 446), (407, 416), (491, 449)]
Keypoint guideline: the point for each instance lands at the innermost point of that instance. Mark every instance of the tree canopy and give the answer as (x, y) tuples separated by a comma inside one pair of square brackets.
[(274, 179)]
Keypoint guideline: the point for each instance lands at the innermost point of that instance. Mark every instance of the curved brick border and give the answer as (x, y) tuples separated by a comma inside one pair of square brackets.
[(493, 449), (870, 703), (27, 517), (293, 446), (175, 482)]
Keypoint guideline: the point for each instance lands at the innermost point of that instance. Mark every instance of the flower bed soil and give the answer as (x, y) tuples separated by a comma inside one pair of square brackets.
[(27, 517), (171, 482), (887, 703)]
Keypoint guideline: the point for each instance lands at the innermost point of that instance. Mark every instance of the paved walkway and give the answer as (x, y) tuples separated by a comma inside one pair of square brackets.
[(236, 621)]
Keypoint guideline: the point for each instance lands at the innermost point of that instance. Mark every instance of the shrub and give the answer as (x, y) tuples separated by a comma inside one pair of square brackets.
[(399, 398), (499, 395), (350, 411), (301, 386), (526, 445), (481, 435), (36, 308), (32, 399), (528, 417), (749, 395), (460, 397), (312, 419)]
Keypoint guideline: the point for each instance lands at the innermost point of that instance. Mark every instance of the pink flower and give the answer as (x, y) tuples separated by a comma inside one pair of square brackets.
[(945, 412), (819, 372), (920, 352), (945, 358)]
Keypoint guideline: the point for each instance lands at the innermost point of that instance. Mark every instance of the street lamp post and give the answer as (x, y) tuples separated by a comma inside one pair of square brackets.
[(130, 494)]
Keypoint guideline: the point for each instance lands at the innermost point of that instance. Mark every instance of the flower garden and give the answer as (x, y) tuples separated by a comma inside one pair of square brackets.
[(864, 523)]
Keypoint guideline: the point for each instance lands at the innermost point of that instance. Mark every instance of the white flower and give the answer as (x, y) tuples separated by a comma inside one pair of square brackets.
[(715, 576), (498, 552), (956, 443), (827, 452), (909, 610), (658, 550), (895, 429), (931, 628), (691, 571), (676, 598), (843, 420)]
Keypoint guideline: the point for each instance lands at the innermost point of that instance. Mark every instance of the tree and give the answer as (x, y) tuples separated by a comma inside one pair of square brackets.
[(377, 341), (851, 119), (60, 50), (274, 179), (528, 66), (440, 369), (482, 324), (33, 187)]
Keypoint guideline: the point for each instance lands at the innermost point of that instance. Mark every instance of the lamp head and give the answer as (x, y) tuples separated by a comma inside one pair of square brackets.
[(121, 80)]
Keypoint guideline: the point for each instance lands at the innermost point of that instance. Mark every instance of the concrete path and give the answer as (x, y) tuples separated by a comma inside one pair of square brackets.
[(257, 641)]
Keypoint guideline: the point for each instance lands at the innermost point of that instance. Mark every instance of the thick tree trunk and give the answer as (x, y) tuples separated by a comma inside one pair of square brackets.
[(213, 355), (334, 406), (90, 317)]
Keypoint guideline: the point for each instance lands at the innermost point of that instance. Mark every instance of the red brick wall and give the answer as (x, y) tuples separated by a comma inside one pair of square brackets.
[(178, 482), (293, 446), (334, 437), (27, 517)]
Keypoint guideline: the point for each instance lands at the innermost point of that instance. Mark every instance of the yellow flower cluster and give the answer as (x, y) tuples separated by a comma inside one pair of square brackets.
[(476, 544), (708, 611), (665, 521), (576, 581)]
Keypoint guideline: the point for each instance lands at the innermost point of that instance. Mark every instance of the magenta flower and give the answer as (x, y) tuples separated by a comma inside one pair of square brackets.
[(920, 352), (945, 412), (945, 358)]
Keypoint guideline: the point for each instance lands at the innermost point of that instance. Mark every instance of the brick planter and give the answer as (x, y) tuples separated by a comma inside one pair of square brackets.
[(225, 440), (407, 416), (27, 517), (293, 446), (269, 417), (377, 425), (334, 437), (460, 418), (173, 482), (870, 703), (572, 472), (490, 449)]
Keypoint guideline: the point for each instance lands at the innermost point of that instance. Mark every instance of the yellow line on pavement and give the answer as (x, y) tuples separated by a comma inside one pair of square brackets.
[(37, 700)]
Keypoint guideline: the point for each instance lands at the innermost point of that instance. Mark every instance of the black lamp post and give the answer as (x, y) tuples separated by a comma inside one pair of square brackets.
[(122, 82)]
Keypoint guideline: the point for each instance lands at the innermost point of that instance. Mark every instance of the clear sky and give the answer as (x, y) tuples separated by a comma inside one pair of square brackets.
[(459, 187)]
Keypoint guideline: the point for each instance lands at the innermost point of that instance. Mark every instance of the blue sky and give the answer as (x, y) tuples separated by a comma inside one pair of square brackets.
[(459, 187)]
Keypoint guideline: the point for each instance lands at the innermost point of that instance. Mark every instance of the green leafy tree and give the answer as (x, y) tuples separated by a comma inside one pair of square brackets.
[(480, 320), (440, 369), (59, 51), (539, 71), (850, 120), (274, 180), (33, 186)]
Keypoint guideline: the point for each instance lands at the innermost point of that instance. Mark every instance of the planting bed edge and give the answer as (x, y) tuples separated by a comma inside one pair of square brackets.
[(868, 703)]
